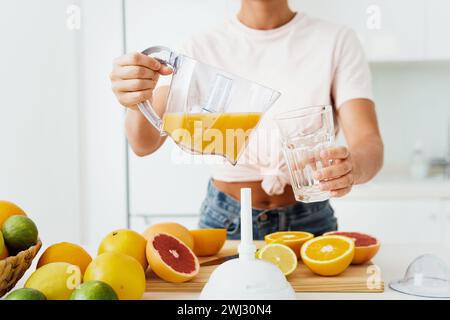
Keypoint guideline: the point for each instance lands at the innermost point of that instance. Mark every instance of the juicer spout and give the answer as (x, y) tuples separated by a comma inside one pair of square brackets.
[(246, 248)]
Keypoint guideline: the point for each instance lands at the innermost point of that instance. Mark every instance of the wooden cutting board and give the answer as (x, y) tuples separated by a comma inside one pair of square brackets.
[(362, 278)]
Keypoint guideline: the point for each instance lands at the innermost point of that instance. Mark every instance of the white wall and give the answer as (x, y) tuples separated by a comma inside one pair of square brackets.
[(39, 150), (413, 103), (62, 144), (103, 157)]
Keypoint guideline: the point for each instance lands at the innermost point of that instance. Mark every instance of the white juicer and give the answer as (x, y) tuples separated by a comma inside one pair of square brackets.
[(247, 278)]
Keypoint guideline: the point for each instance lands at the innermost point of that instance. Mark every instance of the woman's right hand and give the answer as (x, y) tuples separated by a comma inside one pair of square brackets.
[(134, 77)]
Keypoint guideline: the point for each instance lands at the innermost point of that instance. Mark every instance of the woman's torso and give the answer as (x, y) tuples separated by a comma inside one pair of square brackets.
[(297, 59)]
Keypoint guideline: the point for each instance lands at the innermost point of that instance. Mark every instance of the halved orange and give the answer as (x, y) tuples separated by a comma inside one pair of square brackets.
[(366, 246), (292, 239), (208, 242), (328, 255)]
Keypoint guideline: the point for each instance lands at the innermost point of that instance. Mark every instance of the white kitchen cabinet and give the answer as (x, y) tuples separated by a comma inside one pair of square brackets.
[(393, 221), (438, 27), (389, 30)]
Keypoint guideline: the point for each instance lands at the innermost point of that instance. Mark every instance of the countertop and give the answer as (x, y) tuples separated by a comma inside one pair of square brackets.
[(392, 259), (395, 182)]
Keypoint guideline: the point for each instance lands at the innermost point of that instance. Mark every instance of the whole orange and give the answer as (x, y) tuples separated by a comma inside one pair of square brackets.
[(125, 241), (174, 229), (66, 252), (208, 242), (292, 239), (8, 209)]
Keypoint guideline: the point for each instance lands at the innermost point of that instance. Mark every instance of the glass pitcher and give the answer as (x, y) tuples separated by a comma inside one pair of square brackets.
[(208, 111)]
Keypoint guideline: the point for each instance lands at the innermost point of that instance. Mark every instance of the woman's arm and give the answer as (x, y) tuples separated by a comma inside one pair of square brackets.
[(360, 125), (133, 80), (363, 158), (143, 138)]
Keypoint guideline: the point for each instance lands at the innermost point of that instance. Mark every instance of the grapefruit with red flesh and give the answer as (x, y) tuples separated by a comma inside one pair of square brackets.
[(171, 259), (366, 246)]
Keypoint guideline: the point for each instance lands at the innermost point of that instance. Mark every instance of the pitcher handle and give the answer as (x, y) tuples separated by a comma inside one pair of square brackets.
[(166, 57)]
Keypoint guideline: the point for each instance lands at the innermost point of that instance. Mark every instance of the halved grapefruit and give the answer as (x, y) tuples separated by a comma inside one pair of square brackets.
[(175, 229), (366, 246), (170, 258)]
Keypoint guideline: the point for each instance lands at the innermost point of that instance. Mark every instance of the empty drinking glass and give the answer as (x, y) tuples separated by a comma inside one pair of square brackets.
[(305, 132)]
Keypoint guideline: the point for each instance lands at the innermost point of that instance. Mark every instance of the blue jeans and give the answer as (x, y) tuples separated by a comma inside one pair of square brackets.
[(219, 210)]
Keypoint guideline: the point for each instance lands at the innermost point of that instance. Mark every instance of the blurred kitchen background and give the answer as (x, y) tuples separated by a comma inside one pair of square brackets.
[(63, 153)]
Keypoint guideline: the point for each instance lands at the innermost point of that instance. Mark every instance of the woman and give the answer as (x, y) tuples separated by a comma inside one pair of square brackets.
[(312, 62)]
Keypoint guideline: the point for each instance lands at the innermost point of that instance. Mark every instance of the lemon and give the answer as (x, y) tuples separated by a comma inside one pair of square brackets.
[(328, 255), (122, 272), (280, 255), (55, 280), (127, 242)]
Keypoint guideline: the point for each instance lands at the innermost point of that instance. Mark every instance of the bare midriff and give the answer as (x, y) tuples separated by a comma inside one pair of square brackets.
[(260, 199)]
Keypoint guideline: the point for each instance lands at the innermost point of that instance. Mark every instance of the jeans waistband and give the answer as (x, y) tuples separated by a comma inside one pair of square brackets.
[(215, 195)]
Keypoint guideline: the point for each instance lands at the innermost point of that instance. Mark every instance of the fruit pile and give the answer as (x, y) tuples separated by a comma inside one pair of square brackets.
[(66, 271), (327, 255)]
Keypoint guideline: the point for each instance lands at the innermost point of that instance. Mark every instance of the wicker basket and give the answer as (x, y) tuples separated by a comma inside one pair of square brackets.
[(13, 268)]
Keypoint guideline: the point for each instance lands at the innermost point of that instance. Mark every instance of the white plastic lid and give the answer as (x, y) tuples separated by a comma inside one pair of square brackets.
[(426, 276)]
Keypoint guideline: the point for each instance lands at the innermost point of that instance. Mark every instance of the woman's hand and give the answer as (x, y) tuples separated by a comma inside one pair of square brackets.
[(134, 77), (338, 178)]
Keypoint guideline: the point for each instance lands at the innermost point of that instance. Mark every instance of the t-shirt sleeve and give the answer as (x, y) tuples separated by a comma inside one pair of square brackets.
[(352, 77)]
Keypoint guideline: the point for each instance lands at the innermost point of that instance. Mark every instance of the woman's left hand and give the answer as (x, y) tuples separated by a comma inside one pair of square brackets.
[(337, 178)]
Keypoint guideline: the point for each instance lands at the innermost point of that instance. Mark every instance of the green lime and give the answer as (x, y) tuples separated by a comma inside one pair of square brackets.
[(19, 233), (94, 290), (26, 294)]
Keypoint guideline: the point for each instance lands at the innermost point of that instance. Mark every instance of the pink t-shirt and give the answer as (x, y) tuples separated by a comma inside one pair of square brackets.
[(310, 61)]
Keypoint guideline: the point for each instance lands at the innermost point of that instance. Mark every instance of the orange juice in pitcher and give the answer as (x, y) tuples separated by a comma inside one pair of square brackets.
[(224, 134)]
